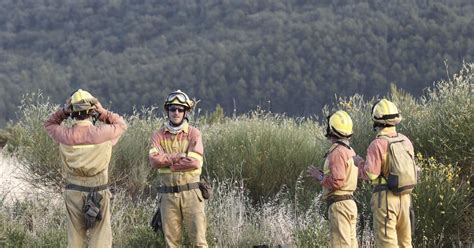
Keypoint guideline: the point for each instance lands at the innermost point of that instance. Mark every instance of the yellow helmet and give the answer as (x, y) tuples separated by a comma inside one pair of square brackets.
[(179, 98), (386, 113), (82, 100), (339, 124)]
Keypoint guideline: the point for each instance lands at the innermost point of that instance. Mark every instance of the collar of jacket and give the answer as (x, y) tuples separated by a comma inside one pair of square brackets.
[(86, 122), (343, 140), (388, 131)]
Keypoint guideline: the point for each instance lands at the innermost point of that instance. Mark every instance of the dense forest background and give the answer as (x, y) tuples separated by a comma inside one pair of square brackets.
[(288, 56)]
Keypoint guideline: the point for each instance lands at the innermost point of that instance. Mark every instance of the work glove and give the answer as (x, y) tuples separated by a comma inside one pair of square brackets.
[(315, 173), (357, 160), (99, 108), (67, 108)]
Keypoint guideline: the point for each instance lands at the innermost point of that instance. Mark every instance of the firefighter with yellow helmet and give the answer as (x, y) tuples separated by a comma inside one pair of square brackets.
[(391, 201), (85, 151), (177, 152), (339, 180)]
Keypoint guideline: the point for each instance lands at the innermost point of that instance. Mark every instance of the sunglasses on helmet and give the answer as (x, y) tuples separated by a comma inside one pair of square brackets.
[(173, 109)]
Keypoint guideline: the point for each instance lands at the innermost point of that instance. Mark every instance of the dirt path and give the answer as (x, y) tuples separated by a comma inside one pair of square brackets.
[(12, 187)]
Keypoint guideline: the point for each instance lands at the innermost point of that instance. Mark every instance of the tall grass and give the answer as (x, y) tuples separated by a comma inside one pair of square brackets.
[(443, 126), (129, 166), (34, 222), (31, 144), (267, 154), (267, 151), (442, 197), (232, 221)]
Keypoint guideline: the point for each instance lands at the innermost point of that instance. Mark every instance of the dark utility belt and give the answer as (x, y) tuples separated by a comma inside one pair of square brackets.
[(75, 187), (336, 198), (381, 187), (178, 188)]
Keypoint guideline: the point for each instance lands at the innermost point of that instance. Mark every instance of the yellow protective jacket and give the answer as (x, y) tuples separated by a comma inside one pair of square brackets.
[(86, 149)]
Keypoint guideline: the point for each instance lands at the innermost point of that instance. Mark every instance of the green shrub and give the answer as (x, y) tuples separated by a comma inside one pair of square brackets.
[(129, 166), (11, 234), (50, 237), (442, 202), (28, 223), (235, 222), (443, 125), (32, 146), (131, 215), (142, 236), (267, 151)]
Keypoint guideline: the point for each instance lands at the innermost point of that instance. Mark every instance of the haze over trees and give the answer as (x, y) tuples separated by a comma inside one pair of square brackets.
[(288, 56)]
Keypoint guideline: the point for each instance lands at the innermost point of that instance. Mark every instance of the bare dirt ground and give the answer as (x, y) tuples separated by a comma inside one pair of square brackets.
[(12, 186)]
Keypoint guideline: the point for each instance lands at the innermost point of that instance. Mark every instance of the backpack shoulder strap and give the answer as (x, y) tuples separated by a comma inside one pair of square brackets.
[(391, 140), (344, 144)]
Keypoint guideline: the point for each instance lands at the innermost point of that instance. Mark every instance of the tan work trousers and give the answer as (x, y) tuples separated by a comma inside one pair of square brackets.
[(100, 234), (342, 221), (185, 207), (391, 229)]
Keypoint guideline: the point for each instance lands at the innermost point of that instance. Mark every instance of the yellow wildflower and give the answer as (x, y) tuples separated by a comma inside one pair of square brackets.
[(450, 176)]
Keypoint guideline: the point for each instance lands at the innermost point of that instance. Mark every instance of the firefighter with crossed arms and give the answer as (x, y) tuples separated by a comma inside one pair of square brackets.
[(177, 152)]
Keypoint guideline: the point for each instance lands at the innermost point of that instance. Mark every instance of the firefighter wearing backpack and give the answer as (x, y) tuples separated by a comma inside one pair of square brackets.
[(339, 180), (391, 168), (85, 150), (177, 152)]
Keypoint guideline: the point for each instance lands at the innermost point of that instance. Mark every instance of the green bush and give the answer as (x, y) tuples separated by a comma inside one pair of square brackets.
[(11, 234), (443, 205), (268, 153), (443, 124), (32, 146), (129, 166), (235, 222), (51, 238), (33, 223)]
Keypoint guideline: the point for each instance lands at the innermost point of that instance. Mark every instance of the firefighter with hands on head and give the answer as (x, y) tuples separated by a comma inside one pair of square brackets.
[(177, 152), (85, 150), (390, 167), (339, 180)]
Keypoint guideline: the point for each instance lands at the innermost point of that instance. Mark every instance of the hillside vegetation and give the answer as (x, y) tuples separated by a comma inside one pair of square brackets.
[(257, 162), (285, 56)]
